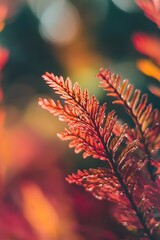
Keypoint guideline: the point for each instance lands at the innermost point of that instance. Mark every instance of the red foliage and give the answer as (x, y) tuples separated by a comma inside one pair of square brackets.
[(4, 54), (145, 118), (128, 178), (155, 90), (151, 9), (147, 45)]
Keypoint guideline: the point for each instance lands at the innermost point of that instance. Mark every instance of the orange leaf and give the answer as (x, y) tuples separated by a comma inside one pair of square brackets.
[(149, 68), (39, 212)]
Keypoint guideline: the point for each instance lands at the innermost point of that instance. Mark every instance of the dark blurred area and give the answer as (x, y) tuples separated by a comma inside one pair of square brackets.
[(69, 38)]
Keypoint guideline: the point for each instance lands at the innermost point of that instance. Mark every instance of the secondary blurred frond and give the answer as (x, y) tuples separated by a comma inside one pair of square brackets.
[(154, 90), (146, 119), (151, 9), (149, 68), (148, 45)]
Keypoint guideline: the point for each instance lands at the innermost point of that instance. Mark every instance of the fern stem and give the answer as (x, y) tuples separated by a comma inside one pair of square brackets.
[(128, 195), (125, 189), (139, 127)]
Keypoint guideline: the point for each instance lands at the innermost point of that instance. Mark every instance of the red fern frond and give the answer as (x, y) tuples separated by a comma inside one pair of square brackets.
[(103, 184), (93, 132), (145, 118), (84, 116)]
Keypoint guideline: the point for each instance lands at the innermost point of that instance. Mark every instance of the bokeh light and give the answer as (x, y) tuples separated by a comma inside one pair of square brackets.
[(149, 68), (59, 20), (125, 5), (3, 12), (9, 8), (37, 209), (4, 55), (60, 23), (39, 6)]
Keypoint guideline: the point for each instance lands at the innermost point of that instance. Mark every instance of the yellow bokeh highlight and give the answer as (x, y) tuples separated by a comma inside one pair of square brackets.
[(40, 213), (41, 121), (6, 146), (2, 25), (149, 68)]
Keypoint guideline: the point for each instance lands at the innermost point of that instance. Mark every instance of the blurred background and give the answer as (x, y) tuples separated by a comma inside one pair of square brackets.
[(75, 39)]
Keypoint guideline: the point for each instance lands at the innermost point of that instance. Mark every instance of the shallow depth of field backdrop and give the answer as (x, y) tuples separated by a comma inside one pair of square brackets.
[(69, 38)]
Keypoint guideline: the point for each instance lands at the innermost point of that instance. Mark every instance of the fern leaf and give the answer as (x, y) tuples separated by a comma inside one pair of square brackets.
[(101, 183), (141, 113), (146, 120), (128, 218), (150, 206), (93, 132), (84, 116)]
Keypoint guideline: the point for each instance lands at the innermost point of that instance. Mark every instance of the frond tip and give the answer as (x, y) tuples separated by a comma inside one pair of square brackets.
[(90, 130), (125, 95), (146, 119)]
